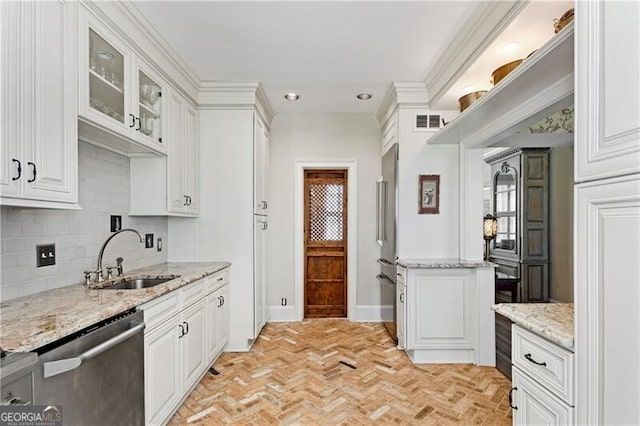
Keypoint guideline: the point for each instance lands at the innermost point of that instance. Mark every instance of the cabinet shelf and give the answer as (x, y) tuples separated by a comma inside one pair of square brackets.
[(540, 86), (146, 110), (105, 81)]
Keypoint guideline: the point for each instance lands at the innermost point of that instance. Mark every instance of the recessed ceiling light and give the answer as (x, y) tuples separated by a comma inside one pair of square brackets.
[(103, 54), (511, 47), (467, 89), (364, 96), (292, 96)]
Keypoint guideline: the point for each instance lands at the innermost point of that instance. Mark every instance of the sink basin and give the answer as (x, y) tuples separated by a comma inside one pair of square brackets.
[(139, 283)]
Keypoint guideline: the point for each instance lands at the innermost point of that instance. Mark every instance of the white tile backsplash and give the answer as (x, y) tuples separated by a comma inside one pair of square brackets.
[(77, 234)]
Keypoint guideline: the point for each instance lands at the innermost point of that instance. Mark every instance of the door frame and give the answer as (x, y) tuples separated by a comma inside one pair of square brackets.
[(298, 233)]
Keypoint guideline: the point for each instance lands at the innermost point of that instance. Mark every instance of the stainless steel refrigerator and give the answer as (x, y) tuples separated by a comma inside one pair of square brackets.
[(386, 237)]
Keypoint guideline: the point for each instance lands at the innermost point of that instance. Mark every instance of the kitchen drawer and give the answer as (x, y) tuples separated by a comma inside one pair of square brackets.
[(192, 293), (401, 275), (547, 363), (215, 281), (159, 310), (536, 405)]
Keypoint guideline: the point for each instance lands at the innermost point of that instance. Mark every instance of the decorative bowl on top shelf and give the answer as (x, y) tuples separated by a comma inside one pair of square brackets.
[(468, 99), (559, 24), (503, 71)]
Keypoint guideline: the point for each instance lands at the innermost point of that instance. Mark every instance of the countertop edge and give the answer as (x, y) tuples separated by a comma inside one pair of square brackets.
[(444, 263), (537, 326)]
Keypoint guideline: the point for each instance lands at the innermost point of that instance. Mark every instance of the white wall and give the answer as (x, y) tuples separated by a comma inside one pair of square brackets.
[(321, 137), (78, 234), (426, 235)]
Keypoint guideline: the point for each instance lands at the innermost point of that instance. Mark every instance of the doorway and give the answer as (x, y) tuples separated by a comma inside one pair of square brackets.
[(325, 243)]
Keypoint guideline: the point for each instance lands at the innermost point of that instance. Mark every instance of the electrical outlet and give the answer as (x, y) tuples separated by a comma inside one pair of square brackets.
[(159, 244), (148, 240), (283, 301), (116, 223), (45, 255)]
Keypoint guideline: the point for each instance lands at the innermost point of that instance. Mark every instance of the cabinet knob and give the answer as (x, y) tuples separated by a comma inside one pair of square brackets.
[(18, 169)]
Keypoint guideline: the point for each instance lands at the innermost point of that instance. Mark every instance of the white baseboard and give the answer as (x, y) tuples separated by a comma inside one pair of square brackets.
[(281, 314), (363, 313), (372, 313)]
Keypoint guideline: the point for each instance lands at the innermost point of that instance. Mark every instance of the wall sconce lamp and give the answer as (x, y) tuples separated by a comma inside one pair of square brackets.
[(489, 230)]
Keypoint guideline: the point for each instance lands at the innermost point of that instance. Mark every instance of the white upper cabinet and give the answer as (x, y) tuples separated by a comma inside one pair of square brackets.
[(169, 185), (608, 89), (261, 165), (183, 189), (38, 104), (118, 92)]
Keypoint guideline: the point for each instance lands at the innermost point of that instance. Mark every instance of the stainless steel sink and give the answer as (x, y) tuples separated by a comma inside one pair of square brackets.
[(140, 283)]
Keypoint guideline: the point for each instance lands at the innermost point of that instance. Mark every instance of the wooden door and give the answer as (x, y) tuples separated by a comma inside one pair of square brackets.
[(325, 242)]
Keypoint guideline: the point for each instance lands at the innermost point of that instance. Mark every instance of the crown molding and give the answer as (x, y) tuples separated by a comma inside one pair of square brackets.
[(235, 95), (402, 94), (488, 21)]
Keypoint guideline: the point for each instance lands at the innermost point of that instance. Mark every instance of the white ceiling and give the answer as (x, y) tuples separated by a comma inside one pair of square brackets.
[(328, 52)]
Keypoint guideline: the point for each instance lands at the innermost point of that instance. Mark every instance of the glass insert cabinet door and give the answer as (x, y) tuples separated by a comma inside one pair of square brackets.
[(106, 78), (506, 208), (149, 107)]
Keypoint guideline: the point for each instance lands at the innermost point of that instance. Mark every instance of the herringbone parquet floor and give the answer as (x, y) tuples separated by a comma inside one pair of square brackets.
[(294, 375)]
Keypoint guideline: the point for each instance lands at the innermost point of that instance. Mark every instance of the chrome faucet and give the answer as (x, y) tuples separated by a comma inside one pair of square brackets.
[(98, 271)]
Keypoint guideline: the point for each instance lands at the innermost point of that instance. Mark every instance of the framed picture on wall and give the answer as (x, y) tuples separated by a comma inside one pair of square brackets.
[(429, 194)]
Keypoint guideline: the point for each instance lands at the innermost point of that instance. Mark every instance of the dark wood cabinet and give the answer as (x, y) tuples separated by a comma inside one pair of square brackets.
[(520, 201)]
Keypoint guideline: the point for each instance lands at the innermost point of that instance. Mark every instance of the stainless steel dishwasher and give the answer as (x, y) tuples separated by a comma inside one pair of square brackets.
[(97, 374)]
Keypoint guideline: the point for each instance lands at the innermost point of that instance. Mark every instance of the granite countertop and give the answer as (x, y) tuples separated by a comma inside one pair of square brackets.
[(553, 321), (443, 263), (30, 322)]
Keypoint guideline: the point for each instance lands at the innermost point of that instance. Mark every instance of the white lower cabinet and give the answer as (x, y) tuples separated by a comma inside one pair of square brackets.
[(401, 313), (162, 378), (534, 405), (543, 377), (217, 321), (186, 331)]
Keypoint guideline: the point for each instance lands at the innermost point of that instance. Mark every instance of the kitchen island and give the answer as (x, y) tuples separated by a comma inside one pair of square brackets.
[(28, 323), (444, 310)]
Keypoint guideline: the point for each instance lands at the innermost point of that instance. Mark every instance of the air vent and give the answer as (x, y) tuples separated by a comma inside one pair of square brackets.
[(427, 122)]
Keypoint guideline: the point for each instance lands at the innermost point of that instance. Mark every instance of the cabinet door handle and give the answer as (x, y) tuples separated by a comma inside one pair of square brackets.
[(188, 200), (186, 324), (222, 299), (35, 171), (133, 120), (265, 225), (219, 301), (18, 169), (139, 123), (511, 398), (264, 205), (185, 200), (182, 333), (401, 297), (530, 359)]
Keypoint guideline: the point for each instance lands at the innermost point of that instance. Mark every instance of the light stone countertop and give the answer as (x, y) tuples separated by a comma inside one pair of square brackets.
[(442, 263), (553, 321), (30, 322)]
